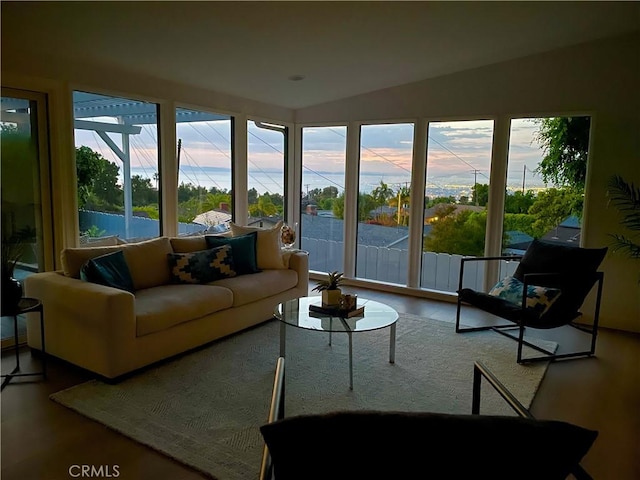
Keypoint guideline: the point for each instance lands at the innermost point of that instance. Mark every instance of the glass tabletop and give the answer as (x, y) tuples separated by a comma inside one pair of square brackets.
[(296, 313)]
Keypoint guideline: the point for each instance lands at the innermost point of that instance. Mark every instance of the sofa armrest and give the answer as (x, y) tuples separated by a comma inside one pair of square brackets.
[(299, 261), (72, 305)]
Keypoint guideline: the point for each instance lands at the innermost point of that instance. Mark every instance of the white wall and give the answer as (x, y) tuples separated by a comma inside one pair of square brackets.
[(599, 78)]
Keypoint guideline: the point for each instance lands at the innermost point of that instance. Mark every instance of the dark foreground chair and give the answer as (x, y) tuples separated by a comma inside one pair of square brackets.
[(546, 291), (389, 445)]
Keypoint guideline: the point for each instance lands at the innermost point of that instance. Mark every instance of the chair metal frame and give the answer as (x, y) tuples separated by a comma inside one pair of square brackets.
[(480, 371), (532, 279)]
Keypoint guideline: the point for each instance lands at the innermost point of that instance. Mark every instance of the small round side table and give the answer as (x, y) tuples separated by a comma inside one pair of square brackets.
[(26, 305)]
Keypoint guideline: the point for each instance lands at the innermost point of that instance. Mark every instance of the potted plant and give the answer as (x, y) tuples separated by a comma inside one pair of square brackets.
[(625, 196), (330, 289)]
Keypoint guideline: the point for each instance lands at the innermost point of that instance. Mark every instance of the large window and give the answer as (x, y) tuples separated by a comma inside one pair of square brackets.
[(456, 197), (117, 165), (266, 158), (386, 154), (204, 171), (545, 181), (323, 170)]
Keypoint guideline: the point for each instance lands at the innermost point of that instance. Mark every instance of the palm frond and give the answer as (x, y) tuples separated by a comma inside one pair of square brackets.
[(626, 198), (625, 245)]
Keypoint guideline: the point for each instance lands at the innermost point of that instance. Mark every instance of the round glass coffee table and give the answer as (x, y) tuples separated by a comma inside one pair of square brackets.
[(376, 316)]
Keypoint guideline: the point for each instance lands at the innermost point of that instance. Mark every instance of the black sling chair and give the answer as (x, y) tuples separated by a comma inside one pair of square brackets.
[(546, 270), (377, 444)]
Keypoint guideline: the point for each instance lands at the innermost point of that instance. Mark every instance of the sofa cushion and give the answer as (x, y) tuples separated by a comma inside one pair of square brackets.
[(244, 250), (268, 244), (188, 244), (203, 266), (110, 270), (251, 288), (163, 307), (147, 261)]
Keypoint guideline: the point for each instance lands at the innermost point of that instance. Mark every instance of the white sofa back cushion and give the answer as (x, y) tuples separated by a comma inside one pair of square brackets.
[(147, 261)]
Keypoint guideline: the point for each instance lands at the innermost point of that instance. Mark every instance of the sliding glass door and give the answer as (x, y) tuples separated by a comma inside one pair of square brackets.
[(26, 205)]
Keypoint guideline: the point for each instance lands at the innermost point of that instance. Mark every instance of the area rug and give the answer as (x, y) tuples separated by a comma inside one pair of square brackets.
[(204, 409)]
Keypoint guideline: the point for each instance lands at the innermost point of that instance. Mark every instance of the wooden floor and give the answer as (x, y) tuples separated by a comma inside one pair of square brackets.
[(43, 440)]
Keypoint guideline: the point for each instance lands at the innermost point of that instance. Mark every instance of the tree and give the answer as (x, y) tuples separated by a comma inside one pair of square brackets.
[(97, 181), (187, 191), (264, 207), (252, 196), (142, 191), (517, 202), (552, 206), (88, 166), (480, 194), (461, 232), (105, 187), (381, 194), (338, 207), (439, 200), (365, 205), (401, 201), (565, 141)]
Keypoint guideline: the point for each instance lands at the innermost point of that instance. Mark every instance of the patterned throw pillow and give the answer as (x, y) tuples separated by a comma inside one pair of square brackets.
[(203, 266), (539, 299), (244, 250)]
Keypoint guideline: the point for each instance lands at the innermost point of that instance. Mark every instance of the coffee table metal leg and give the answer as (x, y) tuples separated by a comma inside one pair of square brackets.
[(350, 360), (392, 344), (283, 338)]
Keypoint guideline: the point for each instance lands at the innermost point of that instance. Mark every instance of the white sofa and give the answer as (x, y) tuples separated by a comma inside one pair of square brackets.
[(113, 332)]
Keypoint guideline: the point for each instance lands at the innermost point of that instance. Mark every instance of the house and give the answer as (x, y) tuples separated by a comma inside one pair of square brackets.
[(297, 65)]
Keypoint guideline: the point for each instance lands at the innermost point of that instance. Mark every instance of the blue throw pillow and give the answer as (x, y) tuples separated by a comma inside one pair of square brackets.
[(203, 266), (244, 249), (539, 299), (110, 270)]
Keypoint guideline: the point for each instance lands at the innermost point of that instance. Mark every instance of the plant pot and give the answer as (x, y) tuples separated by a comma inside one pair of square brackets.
[(331, 297), (11, 295)]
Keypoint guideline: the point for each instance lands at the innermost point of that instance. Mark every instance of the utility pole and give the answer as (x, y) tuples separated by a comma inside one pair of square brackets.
[(524, 174)]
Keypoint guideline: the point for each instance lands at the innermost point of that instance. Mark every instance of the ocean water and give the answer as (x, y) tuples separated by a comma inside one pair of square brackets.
[(273, 181)]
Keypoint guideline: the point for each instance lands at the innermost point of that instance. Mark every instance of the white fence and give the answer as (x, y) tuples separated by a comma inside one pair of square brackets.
[(440, 271)]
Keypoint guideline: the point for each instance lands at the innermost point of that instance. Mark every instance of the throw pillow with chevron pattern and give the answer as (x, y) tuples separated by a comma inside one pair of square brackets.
[(203, 266)]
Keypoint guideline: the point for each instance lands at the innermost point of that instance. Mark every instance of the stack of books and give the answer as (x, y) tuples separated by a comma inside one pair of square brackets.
[(335, 311)]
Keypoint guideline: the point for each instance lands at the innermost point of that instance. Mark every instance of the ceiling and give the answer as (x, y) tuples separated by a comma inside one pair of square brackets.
[(250, 49)]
